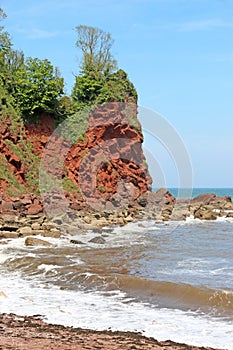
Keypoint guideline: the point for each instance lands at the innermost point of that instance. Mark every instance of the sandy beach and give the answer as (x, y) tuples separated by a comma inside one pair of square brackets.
[(22, 333)]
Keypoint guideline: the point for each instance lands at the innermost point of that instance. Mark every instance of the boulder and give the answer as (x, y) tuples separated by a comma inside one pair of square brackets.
[(48, 226), (25, 231), (204, 198), (17, 204), (53, 233), (221, 199), (34, 209), (7, 207), (35, 226), (205, 214), (32, 241), (228, 206), (181, 210), (26, 200), (98, 240), (8, 234)]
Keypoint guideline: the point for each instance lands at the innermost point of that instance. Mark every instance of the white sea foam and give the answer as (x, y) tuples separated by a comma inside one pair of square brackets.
[(191, 220), (131, 234), (3, 258), (224, 219), (47, 267)]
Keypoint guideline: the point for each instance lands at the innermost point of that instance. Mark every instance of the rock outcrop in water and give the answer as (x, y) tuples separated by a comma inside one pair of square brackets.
[(161, 205)]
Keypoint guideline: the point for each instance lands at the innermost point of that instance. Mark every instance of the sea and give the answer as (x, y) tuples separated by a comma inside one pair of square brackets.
[(167, 280)]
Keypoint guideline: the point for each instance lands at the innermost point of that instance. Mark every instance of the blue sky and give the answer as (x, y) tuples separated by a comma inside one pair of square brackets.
[(178, 54)]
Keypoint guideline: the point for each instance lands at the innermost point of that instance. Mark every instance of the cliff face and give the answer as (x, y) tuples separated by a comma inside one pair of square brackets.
[(107, 164)]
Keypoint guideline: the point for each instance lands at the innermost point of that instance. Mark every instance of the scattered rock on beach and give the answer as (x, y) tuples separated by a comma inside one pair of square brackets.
[(8, 234), (32, 241), (25, 231), (76, 241), (97, 240)]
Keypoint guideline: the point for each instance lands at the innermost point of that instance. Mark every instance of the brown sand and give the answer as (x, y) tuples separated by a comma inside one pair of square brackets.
[(31, 333)]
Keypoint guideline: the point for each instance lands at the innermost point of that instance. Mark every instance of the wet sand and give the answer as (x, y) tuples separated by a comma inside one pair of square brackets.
[(22, 333)]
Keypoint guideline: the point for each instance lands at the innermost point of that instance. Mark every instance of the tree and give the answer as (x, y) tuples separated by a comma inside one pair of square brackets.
[(86, 90), (117, 87), (38, 88), (98, 81), (5, 46), (5, 43), (13, 62), (95, 45)]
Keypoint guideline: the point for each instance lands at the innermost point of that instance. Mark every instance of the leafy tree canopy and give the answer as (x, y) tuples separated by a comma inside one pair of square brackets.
[(95, 45), (38, 88), (98, 81), (5, 43)]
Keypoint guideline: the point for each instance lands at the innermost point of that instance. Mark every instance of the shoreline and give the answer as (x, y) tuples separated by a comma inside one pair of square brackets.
[(31, 215), (24, 218), (31, 332)]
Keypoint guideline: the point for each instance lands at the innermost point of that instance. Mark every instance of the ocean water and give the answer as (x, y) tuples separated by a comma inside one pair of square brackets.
[(166, 280), (191, 193)]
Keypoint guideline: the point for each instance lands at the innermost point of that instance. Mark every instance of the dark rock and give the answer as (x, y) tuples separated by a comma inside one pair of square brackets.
[(142, 201), (9, 228), (98, 240), (75, 241), (17, 204)]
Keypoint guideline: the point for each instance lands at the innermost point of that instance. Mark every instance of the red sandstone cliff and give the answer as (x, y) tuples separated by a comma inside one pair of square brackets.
[(107, 165)]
